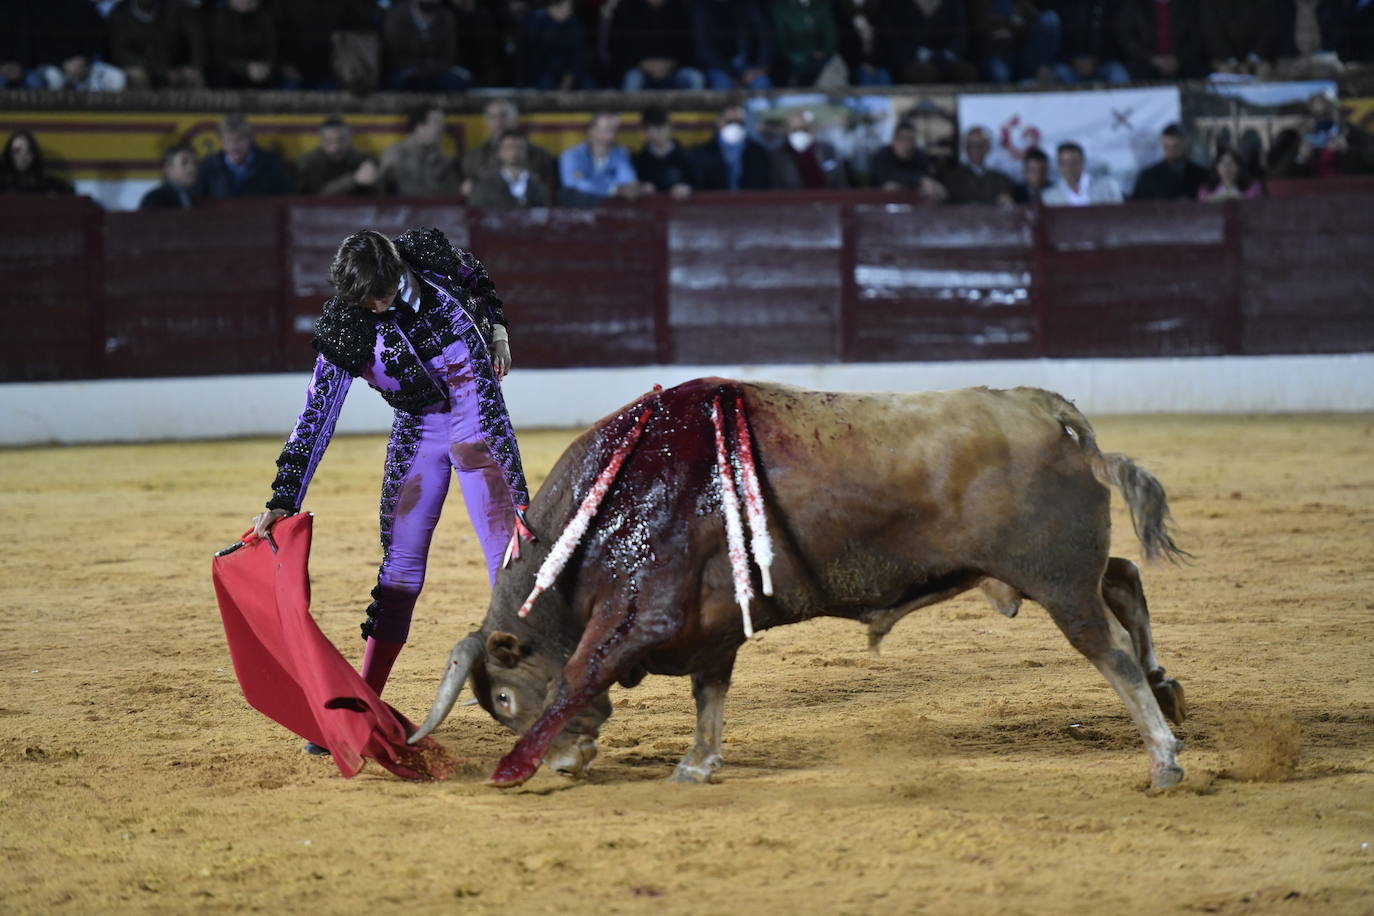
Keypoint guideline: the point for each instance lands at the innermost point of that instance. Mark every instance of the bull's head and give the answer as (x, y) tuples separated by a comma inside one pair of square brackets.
[(515, 683)]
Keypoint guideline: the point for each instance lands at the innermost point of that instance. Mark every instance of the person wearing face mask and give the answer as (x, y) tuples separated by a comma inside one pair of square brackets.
[(804, 161), (731, 160), (419, 320)]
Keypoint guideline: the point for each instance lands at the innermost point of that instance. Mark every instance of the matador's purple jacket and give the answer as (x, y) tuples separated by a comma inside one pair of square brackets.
[(434, 367)]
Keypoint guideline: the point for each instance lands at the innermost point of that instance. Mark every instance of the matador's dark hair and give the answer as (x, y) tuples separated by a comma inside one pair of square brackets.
[(366, 264)]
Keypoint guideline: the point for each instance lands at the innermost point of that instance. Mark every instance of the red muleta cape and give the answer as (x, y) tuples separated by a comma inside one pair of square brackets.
[(291, 673)]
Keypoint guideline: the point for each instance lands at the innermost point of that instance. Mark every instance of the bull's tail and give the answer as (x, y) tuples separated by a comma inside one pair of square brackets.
[(1143, 492)]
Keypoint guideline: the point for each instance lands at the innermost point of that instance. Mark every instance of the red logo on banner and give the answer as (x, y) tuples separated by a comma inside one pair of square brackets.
[(1016, 138)]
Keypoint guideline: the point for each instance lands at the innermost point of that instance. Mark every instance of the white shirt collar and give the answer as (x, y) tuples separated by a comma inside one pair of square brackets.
[(518, 183), (1080, 197), (408, 294)]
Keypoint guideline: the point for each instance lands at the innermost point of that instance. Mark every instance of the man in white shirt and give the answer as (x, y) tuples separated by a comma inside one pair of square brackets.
[(1075, 187), (511, 183)]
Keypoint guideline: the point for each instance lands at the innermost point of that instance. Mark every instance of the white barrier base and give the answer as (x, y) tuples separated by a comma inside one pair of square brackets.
[(146, 410)]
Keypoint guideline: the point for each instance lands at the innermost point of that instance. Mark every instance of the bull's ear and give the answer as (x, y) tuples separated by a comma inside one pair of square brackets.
[(505, 649)]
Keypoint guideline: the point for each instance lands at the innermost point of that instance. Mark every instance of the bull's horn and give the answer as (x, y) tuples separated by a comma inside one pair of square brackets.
[(455, 675)]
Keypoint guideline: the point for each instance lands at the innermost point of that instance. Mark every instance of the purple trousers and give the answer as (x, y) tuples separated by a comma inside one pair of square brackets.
[(424, 452)]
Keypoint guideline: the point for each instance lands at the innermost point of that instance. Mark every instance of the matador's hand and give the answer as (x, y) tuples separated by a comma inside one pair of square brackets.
[(500, 358), (262, 523)]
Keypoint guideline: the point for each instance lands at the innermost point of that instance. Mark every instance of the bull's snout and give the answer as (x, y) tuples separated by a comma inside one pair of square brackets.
[(574, 757)]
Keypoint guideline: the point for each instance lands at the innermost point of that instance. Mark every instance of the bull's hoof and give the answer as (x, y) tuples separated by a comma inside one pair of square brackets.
[(1169, 694), (511, 773), (695, 772), (1166, 777)]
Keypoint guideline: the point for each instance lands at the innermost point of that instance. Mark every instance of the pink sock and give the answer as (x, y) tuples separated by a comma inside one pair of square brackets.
[(378, 658)]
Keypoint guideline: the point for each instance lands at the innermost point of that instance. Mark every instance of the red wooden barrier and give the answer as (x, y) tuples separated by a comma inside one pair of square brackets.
[(748, 278)]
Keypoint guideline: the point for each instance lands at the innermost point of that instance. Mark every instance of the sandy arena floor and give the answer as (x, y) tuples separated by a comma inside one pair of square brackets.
[(977, 765)]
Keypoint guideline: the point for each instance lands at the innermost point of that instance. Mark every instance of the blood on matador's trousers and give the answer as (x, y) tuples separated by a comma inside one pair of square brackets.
[(425, 451)]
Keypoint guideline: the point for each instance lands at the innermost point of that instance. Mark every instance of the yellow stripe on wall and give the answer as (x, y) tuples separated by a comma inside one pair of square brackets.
[(129, 145)]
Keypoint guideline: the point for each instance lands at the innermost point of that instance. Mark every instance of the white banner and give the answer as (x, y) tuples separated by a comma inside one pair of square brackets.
[(1118, 128)]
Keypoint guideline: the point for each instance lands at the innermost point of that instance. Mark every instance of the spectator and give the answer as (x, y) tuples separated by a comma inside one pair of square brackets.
[(1014, 40), (771, 131), (734, 43), (157, 43), (502, 115), (807, 41), (23, 170), (904, 166), (650, 46), (1035, 177), (1240, 36), (420, 41), (307, 29), (1087, 48), (418, 166), (927, 41), (1176, 176), (1160, 39), (241, 168), (1075, 188), (482, 44), (804, 161), (554, 47), (662, 161), (177, 191), (863, 131), (16, 46), (1310, 38), (1329, 144), (67, 38), (243, 46), (511, 184), (599, 168), (337, 167), (857, 27), (1229, 180), (972, 182), (731, 160), (1358, 46), (1281, 161)]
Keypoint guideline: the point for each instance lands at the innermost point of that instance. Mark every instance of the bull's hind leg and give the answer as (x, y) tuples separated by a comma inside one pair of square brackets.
[(1125, 595), (1097, 635), (709, 689)]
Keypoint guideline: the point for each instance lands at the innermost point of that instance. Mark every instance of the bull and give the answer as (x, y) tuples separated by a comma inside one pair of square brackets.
[(872, 505)]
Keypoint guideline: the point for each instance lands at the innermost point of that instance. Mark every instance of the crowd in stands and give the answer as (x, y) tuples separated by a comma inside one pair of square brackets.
[(452, 45), (738, 45), (509, 171)]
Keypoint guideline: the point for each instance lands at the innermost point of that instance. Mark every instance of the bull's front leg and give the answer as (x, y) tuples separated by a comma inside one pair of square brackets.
[(613, 643), (709, 689)]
